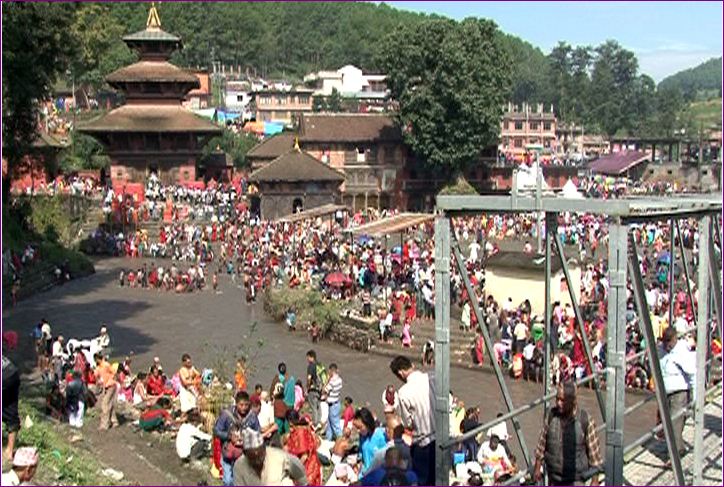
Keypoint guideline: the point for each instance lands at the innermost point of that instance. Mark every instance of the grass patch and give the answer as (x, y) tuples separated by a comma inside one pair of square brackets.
[(60, 462), (706, 113), (44, 223)]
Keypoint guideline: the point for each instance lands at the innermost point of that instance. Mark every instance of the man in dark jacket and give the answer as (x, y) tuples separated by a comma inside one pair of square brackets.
[(234, 419), (568, 443)]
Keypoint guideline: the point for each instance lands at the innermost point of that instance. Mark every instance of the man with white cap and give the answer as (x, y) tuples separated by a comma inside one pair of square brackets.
[(25, 462), (266, 465)]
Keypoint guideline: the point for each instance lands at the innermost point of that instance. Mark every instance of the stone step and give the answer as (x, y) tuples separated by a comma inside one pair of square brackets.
[(415, 356)]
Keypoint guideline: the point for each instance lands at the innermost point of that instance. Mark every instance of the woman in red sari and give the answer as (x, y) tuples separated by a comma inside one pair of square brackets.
[(303, 443)]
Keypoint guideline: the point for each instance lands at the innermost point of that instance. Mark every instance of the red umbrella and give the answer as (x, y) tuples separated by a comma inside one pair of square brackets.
[(337, 279)]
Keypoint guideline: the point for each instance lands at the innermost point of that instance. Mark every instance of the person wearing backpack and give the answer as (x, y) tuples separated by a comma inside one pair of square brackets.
[(316, 379), (568, 443)]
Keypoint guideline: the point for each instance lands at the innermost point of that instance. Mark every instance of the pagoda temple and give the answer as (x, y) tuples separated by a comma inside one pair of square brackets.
[(152, 132)]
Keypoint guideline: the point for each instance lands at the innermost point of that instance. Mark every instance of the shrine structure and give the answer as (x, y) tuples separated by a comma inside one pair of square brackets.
[(152, 132)]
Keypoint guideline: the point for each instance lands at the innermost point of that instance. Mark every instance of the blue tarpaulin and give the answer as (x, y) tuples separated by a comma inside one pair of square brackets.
[(273, 128)]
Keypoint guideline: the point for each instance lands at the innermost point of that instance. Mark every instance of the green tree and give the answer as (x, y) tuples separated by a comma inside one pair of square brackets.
[(85, 152), (451, 80), (644, 105), (669, 102), (580, 83), (100, 49), (319, 103), (559, 69), (334, 102), (236, 145), (613, 88), (37, 46), (528, 72)]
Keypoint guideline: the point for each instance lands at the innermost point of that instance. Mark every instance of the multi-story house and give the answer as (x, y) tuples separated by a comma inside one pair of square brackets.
[(285, 106), (200, 97), (367, 148), (237, 96), (524, 131)]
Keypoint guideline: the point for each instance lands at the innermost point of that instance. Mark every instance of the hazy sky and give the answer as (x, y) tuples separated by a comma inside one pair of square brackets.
[(666, 36)]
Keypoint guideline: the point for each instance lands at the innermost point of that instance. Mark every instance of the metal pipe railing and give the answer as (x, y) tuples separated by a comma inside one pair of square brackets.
[(647, 436), (515, 412)]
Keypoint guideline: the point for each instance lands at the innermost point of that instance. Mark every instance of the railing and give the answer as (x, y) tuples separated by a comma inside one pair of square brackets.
[(613, 410)]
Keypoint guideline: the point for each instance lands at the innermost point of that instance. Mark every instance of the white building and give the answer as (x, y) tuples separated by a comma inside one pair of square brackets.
[(237, 95), (349, 81)]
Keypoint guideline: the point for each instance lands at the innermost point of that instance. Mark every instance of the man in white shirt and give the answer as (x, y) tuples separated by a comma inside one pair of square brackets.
[(474, 247), (189, 434), (416, 413), (493, 454), (266, 414), (678, 369)]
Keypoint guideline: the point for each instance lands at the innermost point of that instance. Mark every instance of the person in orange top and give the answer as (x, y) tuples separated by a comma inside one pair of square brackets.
[(106, 378), (240, 375)]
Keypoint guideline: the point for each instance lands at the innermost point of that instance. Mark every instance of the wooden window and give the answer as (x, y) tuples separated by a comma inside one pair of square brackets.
[(303, 99), (518, 125), (518, 143), (533, 125), (546, 125)]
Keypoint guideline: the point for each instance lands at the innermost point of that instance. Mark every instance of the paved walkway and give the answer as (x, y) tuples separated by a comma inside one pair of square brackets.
[(645, 465)]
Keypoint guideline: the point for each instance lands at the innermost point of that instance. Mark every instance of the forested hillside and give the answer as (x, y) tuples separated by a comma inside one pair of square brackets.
[(598, 86), (703, 80)]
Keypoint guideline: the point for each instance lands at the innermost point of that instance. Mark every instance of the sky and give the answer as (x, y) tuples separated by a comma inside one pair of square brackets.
[(665, 36)]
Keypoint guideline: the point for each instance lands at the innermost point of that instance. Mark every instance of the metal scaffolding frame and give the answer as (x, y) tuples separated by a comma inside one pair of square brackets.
[(622, 265)]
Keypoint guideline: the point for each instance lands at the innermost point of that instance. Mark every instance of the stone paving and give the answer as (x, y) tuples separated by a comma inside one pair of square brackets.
[(646, 464)]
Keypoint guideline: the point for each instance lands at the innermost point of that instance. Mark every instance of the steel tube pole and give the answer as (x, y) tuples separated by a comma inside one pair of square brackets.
[(515, 412), (702, 346), (460, 262), (443, 459), (643, 308), (579, 322), (714, 266), (547, 314), (672, 228), (646, 436), (616, 351)]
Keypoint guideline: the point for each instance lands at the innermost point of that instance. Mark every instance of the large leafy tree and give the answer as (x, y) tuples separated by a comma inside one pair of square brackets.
[(613, 88), (100, 49), (37, 46), (559, 69), (236, 145), (451, 80)]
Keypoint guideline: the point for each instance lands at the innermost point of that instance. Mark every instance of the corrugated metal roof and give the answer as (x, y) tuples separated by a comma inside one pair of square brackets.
[(618, 163)]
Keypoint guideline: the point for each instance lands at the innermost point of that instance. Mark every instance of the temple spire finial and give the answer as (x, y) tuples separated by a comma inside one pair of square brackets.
[(153, 22)]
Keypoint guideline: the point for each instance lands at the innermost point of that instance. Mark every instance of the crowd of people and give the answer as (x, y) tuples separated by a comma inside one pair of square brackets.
[(289, 431)]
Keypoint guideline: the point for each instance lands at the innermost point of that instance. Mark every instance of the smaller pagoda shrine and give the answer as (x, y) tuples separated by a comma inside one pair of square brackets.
[(152, 132)]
